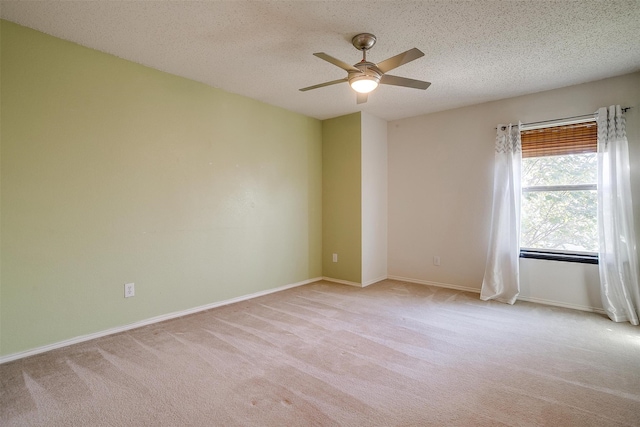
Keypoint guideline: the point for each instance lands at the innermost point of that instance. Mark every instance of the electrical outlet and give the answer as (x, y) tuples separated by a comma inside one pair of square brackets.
[(436, 261), (335, 257), (129, 290)]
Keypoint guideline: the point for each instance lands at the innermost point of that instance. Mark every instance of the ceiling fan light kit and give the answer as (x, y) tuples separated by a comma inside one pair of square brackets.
[(365, 76), (363, 84)]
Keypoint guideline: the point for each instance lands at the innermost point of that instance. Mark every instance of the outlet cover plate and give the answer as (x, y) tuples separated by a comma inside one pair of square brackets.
[(129, 290)]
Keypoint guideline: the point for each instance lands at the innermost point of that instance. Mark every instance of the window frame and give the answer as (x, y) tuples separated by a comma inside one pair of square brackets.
[(554, 254), (548, 254)]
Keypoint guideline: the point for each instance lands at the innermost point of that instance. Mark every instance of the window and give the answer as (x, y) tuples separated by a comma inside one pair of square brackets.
[(559, 192)]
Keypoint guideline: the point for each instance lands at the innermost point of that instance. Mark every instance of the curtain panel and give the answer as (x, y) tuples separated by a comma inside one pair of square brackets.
[(501, 278), (618, 258)]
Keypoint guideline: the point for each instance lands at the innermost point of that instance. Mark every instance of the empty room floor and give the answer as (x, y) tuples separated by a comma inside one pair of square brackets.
[(324, 354)]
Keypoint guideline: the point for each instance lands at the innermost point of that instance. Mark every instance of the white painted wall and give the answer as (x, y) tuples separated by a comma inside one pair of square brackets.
[(552, 282), (374, 199), (440, 185)]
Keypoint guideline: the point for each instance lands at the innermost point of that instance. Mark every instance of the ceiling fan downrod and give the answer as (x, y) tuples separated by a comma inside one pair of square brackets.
[(363, 42)]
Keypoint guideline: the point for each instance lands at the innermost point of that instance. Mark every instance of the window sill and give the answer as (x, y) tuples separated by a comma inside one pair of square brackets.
[(555, 256)]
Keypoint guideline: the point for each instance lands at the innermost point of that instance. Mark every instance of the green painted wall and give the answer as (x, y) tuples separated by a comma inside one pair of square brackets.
[(113, 172), (1, 22), (341, 198)]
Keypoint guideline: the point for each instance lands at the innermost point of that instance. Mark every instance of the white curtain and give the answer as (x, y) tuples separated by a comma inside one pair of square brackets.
[(501, 278), (618, 259)]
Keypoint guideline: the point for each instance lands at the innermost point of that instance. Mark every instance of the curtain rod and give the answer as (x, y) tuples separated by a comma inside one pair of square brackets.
[(584, 116)]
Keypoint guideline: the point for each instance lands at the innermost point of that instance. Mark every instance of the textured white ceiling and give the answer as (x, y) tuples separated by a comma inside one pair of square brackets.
[(475, 51)]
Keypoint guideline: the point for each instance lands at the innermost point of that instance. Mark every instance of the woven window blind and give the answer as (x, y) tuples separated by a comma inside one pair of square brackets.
[(559, 140)]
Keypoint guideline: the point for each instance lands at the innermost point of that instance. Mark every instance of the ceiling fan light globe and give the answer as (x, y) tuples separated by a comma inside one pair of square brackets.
[(364, 85)]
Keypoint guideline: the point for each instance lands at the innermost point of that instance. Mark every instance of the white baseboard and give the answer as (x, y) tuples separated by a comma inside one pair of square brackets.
[(438, 284), (520, 297), (173, 315), (356, 284), (561, 304), (372, 281), (145, 322), (343, 282)]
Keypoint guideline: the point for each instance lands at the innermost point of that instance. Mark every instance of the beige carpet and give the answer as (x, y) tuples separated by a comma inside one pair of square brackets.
[(392, 354)]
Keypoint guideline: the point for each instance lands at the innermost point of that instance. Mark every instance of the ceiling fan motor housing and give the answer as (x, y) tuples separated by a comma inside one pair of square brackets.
[(368, 71)]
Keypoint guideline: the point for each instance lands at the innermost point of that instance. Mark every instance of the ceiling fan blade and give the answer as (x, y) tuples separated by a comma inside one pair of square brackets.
[(332, 82), (336, 61), (398, 60), (403, 81), (362, 97)]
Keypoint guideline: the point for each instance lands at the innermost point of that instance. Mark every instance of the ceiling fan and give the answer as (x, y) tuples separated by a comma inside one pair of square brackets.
[(365, 76)]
